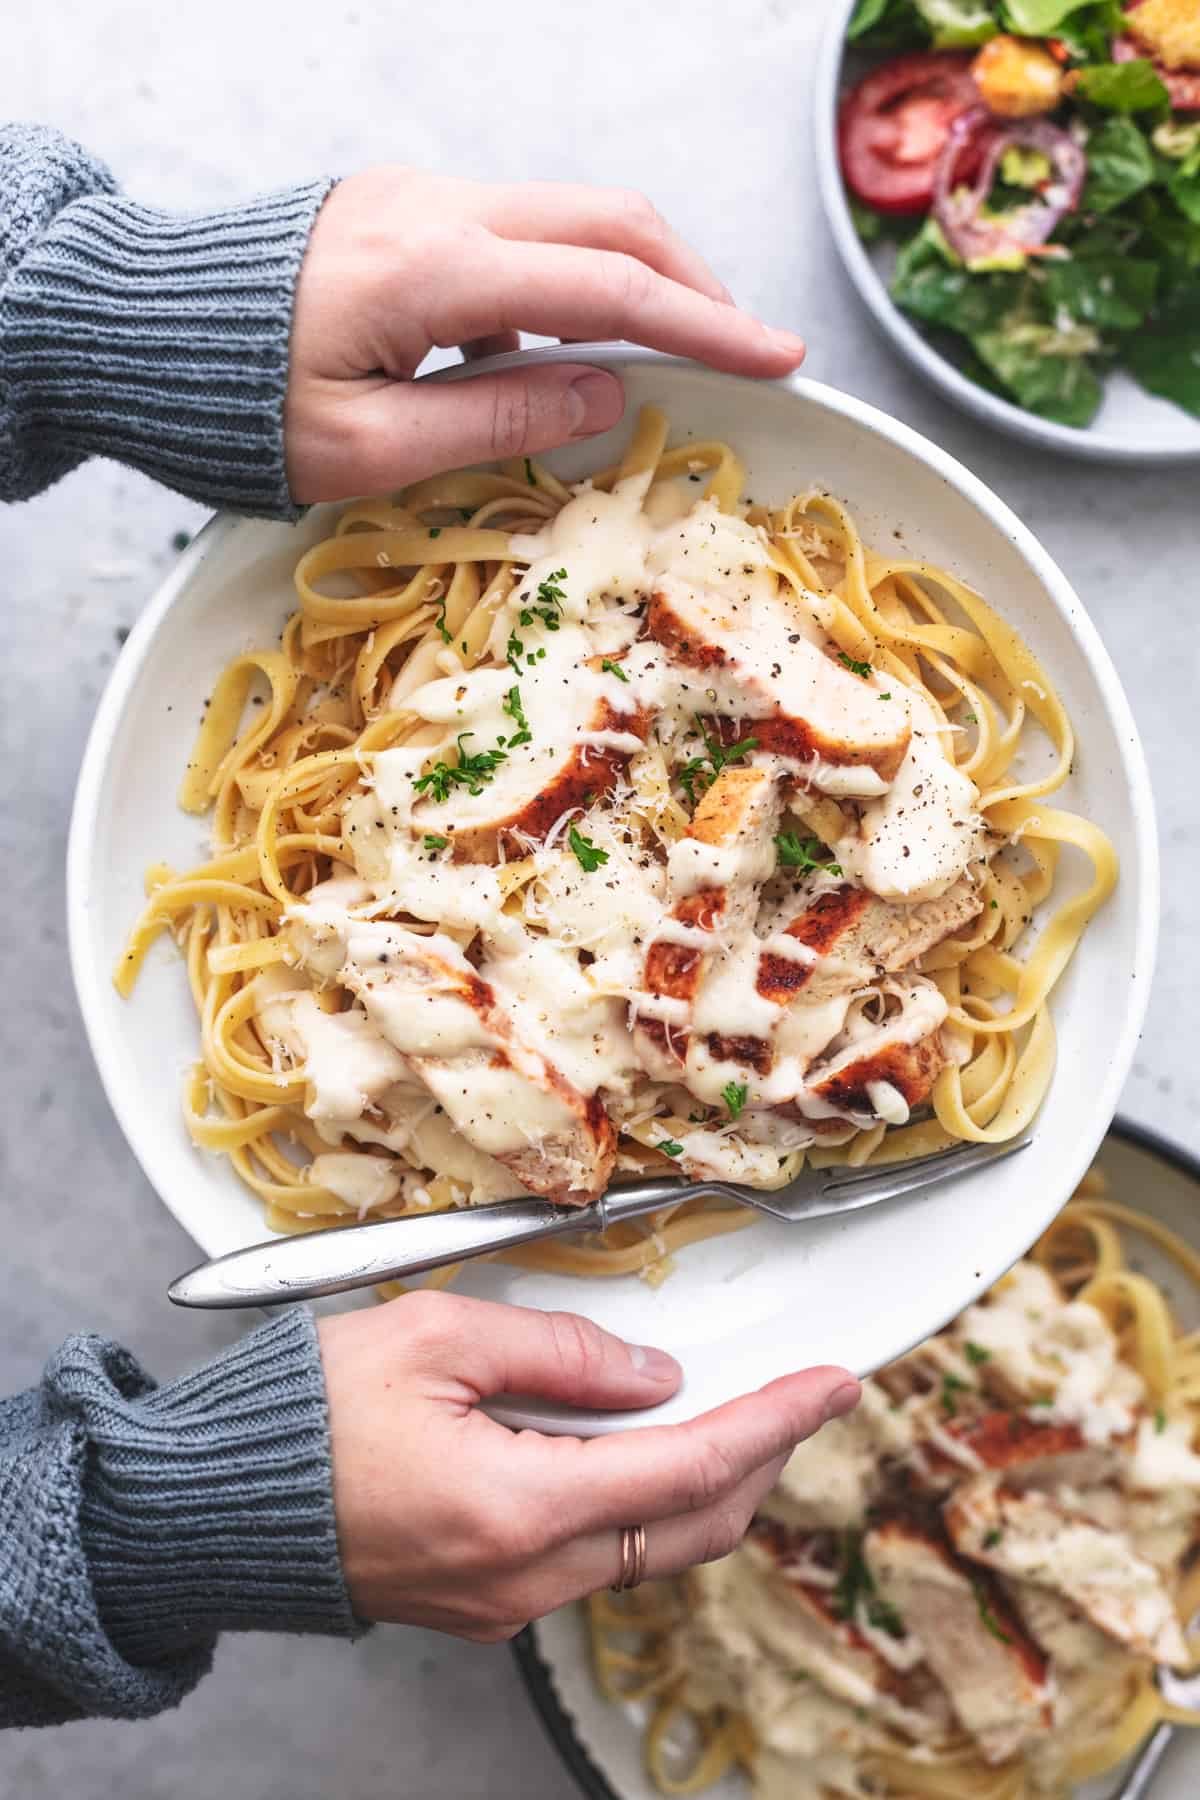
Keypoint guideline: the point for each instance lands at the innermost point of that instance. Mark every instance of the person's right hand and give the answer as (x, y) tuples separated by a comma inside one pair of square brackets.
[(449, 1520)]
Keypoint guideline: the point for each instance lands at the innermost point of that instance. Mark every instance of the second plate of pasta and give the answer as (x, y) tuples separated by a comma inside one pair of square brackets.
[(876, 1632), (759, 800)]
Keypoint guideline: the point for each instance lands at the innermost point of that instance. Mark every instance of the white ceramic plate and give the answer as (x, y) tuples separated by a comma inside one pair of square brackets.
[(1132, 426), (739, 1310), (602, 1744)]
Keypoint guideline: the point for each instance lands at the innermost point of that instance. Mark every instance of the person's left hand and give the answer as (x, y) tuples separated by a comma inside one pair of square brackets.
[(447, 1519), (400, 261)]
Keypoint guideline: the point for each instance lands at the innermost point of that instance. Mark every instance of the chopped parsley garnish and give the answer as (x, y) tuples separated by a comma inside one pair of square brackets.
[(514, 709), (435, 531), (855, 668), (1160, 1421), (433, 842), (855, 1584), (669, 1147), (884, 1617), (705, 769), (995, 905), (734, 1094), (885, 696), (550, 601), (612, 668), (987, 1617), (992, 1538), (971, 718), (1043, 1400), (472, 771), (976, 1354), (443, 629), (530, 477), (586, 853), (803, 853), (514, 650), (952, 1385)]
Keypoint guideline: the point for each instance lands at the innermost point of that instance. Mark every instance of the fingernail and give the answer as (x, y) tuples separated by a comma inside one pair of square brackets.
[(655, 1365), (594, 402), (786, 342), (843, 1400)]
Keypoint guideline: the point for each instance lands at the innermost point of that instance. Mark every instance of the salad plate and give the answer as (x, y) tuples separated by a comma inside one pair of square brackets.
[(1043, 268)]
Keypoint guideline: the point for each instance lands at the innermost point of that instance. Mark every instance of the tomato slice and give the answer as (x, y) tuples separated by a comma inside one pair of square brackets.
[(892, 127)]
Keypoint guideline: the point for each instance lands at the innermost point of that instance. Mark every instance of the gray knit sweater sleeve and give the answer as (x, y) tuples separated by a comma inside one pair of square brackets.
[(155, 338), (136, 1522)]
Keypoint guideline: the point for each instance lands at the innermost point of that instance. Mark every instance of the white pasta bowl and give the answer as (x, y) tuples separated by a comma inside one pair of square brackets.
[(737, 1310)]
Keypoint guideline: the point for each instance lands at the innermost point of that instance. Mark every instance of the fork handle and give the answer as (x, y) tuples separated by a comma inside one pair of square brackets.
[(333, 1262), (1137, 1783)]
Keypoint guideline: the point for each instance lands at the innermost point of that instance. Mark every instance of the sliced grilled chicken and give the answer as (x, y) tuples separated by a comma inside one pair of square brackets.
[(738, 812), (889, 1069), (857, 938), (348, 1067), (1030, 1537), (992, 1671), (1069, 1640), (749, 651), (502, 1095), (715, 870), (1025, 1451), (746, 1622), (715, 873), (832, 1652), (532, 792)]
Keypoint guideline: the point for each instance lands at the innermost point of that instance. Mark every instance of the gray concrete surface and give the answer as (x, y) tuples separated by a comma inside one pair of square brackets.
[(705, 106)]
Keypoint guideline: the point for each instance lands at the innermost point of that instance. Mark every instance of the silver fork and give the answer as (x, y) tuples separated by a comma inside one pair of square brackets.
[(1180, 1690), (332, 1262)]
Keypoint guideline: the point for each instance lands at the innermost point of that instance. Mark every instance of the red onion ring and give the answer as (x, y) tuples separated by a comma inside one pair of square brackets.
[(957, 209)]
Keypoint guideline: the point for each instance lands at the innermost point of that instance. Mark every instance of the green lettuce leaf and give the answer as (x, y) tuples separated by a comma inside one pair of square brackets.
[(1040, 18), (867, 222), (1122, 87), (886, 25), (1120, 164), (1110, 292), (940, 291), (1166, 356), (1086, 27), (1060, 387), (1184, 187), (958, 24), (1174, 239)]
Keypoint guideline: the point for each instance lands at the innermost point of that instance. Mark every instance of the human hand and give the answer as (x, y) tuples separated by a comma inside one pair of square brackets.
[(449, 1520), (400, 261)]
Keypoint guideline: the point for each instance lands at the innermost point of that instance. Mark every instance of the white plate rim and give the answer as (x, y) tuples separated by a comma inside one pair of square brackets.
[(537, 1663), (84, 840), (1087, 444)]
